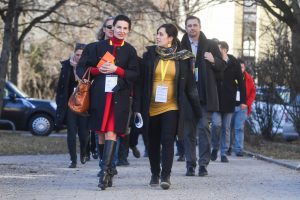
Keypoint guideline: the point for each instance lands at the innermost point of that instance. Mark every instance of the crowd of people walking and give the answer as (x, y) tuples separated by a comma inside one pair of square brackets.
[(191, 91)]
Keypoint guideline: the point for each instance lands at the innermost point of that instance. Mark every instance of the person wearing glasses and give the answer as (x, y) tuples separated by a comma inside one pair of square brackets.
[(106, 32), (110, 91), (167, 80)]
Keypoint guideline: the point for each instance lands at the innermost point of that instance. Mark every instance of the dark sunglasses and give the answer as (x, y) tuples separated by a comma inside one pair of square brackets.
[(108, 26)]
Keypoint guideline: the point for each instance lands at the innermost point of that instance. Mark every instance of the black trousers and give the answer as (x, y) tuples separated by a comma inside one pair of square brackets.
[(77, 124), (91, 146), (162, 132)]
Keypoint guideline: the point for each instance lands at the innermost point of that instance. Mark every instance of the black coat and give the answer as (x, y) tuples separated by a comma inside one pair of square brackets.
[(233, 80), (209, 75), (126, 58), (185, 88), (64, 89)]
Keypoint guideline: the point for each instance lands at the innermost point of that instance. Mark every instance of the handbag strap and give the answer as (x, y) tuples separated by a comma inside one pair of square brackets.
[(88, 71)]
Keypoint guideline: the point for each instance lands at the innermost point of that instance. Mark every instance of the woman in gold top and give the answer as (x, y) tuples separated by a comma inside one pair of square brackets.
[(167, 85)]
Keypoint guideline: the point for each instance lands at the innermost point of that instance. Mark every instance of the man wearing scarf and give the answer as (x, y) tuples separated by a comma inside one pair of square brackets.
[(208, 71)]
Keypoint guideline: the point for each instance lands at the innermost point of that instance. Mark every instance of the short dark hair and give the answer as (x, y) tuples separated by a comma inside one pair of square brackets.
[(192, 17), (223, 45), (241, 61), (171, 31), (79, 46), (122, 18)]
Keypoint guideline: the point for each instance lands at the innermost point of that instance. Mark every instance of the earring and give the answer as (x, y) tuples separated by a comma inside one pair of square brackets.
[(169, 45)]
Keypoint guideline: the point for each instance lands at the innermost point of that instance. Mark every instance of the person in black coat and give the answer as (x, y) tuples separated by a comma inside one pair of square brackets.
[(75, 123), (110, 91), (208, 70), (232, 87), (167, 79)]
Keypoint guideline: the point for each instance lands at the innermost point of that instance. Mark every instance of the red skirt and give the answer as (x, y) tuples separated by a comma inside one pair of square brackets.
[(108, 122)]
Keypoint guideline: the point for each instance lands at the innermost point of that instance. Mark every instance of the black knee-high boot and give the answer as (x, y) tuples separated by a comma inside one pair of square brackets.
[(106, 173), (100, 151)]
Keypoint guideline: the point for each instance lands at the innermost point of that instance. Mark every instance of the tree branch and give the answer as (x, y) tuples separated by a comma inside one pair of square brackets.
[(53, 35), (39, 18)]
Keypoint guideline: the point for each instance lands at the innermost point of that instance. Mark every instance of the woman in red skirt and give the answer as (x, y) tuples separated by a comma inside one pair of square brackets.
[(110, 91)]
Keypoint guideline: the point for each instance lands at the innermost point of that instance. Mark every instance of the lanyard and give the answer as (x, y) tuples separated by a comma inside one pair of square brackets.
[(163, 69)]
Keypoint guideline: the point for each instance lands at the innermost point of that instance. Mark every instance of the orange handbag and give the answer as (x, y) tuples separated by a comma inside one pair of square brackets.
[(79, 101)]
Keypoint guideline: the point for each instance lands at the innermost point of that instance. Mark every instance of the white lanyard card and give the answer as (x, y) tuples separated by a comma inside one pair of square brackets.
[(161, 94), (238, 96), (110, 82)]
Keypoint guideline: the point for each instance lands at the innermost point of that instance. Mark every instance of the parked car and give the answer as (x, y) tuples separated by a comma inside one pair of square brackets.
[(30, 114), (276, 105)]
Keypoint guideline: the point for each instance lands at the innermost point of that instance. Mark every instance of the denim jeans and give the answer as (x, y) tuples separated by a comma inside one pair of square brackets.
[(237, 129), (221, 131), (204, 137)]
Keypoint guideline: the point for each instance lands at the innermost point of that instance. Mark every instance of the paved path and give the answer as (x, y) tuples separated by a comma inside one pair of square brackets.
[(46, 177)]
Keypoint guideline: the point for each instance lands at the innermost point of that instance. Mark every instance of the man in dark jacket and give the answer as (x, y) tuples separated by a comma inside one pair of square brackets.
[(208, 70), (75, 123), (231, 88)]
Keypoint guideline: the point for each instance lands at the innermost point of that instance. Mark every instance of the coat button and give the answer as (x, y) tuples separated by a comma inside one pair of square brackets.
[(116, 102)]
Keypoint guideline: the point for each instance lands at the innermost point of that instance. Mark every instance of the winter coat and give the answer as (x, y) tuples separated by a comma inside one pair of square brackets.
[(209, 74), (64, 89), (232, 80), (126, 58), (250, 91), (185, 88)]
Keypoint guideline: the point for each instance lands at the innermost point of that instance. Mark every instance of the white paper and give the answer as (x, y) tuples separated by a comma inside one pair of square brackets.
[(161, 94), (110, 82), (238, 96)]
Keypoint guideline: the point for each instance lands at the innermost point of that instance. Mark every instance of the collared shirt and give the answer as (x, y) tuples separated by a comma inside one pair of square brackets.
[(194, 46)]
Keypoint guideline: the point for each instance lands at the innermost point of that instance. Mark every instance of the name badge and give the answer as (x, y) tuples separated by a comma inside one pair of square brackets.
[(238, 96), (110, 82), (161, 94), (196, 74)]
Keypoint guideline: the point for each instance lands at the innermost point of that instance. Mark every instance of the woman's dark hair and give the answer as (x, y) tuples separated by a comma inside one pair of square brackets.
[(223, 45), (171, 31), (122, 18), (100, 33)]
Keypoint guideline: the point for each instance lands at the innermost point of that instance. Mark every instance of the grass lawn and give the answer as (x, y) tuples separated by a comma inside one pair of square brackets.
[(18, 143), (278, 148)]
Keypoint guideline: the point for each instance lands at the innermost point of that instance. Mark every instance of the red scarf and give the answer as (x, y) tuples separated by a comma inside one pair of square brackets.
[(116, 43)]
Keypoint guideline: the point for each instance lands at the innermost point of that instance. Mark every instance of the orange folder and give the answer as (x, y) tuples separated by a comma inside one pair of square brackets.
[(108, 57)]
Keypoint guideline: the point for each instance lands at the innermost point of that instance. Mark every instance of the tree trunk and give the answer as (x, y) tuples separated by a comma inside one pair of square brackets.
[(6, 47), (15, 51), (296, 57), (14, 72)]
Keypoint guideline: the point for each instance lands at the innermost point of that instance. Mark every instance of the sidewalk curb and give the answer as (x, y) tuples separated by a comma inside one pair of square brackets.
[(271, 160)]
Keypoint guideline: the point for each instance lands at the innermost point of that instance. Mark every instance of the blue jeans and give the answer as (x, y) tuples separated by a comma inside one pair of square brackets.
[(237, 129), (221, 131)]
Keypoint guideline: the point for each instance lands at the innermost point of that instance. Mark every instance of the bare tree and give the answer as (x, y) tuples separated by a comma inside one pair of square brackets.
[(287, 12), (7, 15), (273, 73)]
